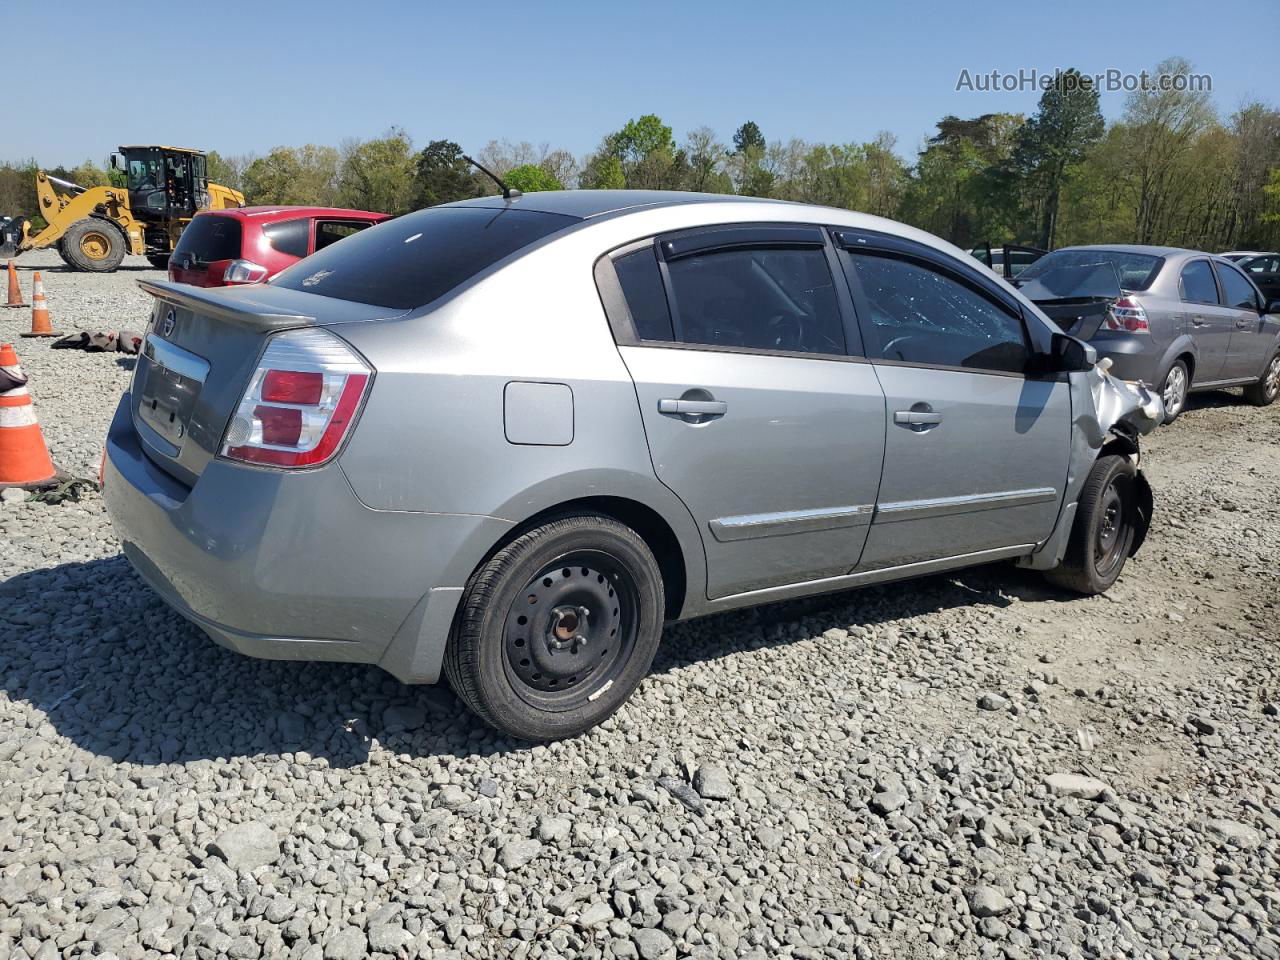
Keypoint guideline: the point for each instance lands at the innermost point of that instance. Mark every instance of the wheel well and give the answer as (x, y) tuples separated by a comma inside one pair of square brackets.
[(647, 522), (1190, 361)]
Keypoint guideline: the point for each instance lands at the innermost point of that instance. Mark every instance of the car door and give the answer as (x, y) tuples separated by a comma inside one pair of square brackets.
[(760, 414), (977, 451), (1253, 335), (1207, 322), (1018, 258)]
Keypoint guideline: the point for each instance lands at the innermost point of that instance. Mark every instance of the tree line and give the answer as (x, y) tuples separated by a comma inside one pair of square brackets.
[(1171, 170)]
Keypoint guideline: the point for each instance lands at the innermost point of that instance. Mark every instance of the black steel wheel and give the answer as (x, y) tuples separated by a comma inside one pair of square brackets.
[(558, 628), (1104, 534), (571, 629)]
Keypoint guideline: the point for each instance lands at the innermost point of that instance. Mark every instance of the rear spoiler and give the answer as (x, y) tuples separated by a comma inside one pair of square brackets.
[(242, 309)]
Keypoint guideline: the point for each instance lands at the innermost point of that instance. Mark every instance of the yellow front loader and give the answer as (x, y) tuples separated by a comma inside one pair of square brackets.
[(93, 228)]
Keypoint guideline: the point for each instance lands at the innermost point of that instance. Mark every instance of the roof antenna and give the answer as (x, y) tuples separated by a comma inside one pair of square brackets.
[(508, 193)]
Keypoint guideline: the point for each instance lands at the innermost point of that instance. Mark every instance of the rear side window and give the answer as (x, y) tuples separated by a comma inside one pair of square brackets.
[(759, 299), (646, 298), (1197, 283), (208, 238), (918, 315), (331, 231), (289, 236), (1237, 291), (415, 259)]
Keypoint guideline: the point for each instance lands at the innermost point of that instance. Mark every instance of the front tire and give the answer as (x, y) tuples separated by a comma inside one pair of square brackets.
[(1106, 525), (94, 245), (1177, 383), (1264, 392), (558, 628)]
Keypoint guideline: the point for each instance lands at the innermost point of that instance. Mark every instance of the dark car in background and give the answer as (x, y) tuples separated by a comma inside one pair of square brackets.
[(1180, 319), (1264, 270), (250, 244)]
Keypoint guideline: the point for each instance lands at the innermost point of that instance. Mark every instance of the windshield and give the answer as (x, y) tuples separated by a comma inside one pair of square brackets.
[(1133, 271), (415, 259)]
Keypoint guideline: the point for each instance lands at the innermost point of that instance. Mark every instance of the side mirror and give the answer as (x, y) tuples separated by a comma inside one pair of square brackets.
[(1071, 355), (1270, 306)]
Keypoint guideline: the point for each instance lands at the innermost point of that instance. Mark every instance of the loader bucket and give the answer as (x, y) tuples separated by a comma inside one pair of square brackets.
[(10, 236)]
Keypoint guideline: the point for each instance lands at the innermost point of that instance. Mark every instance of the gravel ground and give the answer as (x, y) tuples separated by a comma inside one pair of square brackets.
[(968, 765)]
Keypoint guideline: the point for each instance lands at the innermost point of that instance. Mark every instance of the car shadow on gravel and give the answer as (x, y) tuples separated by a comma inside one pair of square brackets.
[(122, 676)]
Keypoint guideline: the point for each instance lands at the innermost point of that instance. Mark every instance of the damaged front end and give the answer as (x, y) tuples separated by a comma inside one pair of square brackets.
[(1109, 416)]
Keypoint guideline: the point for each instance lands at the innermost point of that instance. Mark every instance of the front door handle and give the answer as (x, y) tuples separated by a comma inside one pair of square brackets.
[(919, 418), (1199, 322)]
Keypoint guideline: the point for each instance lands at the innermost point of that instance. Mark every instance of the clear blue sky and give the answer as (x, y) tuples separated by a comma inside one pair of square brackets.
[(239, 77)]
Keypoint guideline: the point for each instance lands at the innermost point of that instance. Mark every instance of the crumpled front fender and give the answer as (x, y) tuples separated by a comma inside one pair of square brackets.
[(1106, 412)]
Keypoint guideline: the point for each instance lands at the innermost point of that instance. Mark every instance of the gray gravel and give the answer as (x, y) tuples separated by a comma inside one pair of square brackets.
[(967, 766)]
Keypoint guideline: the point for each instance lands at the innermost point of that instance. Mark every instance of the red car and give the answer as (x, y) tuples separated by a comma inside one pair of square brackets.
[(249, 244)]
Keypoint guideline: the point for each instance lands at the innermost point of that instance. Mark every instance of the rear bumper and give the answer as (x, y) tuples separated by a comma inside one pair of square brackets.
[(291, 565), (1132, 357)]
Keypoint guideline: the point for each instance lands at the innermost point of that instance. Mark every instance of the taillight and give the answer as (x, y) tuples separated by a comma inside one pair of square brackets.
[(300, 403), (1127, 314), (243, 271)]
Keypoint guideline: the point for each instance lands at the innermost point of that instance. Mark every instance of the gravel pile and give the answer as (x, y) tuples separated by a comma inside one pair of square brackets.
[(971, 765)]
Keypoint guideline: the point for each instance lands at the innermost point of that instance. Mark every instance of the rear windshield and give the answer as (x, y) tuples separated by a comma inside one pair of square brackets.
[(209, 238), (415, 259), (1135, 271)]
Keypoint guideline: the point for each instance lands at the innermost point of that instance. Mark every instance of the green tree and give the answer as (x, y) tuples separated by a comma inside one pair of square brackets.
[(706, 157), (1066, 125), (378, 174), (603, 171), (443, 176), (748, 137), (529, 177), (288, 175)]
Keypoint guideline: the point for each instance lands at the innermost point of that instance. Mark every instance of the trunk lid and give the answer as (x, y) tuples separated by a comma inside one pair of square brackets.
[(1075, 296), (201, 348)]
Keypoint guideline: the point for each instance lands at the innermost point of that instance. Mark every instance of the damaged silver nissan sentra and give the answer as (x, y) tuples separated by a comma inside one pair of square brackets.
[(507, 439)]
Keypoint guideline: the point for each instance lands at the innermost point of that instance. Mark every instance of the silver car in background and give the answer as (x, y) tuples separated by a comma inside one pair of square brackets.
[(1178, 319), (507, 440)]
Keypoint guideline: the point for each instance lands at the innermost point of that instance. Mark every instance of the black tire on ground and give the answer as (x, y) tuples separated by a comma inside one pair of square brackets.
[(62, 252), (1106, 523), (582, 563), (1264, 392), (93, 244), (1178, 374), (158, 260)]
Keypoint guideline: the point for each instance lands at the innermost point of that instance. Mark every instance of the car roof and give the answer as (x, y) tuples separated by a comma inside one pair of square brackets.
[(586, 204), (269, 214)]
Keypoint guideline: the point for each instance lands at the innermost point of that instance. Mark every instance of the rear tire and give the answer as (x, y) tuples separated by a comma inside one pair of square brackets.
[(1105, 526), (1177, 384), (158, 260), (1264, 392), (94, 245), (558, 628)]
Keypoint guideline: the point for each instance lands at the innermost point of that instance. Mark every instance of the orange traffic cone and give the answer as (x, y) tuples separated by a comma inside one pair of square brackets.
[(15, 291), (24, 458), (41, 324)]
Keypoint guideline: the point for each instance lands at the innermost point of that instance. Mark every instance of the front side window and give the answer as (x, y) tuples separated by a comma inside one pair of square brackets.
[(1237, 291), (757, 299), (1197, 283), (919, 315)]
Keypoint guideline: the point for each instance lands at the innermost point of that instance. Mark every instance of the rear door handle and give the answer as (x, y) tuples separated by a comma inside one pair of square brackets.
[(692, 408)]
